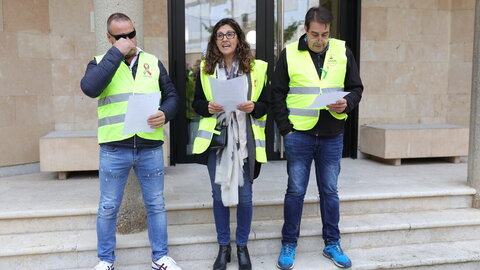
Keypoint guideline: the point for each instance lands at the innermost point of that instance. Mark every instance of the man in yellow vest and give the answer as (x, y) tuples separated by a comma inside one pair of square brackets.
[(123, 71), (313, 65)]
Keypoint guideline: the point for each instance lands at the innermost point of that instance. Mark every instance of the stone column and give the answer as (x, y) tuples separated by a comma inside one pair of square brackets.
[(132, 215), (104, 8), (474, 148)]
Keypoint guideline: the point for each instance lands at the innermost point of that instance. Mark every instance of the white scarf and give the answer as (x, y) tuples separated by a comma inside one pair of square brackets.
[(229, 164)]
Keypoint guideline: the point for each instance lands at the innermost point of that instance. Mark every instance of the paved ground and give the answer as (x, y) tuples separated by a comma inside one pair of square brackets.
[(188, 184)]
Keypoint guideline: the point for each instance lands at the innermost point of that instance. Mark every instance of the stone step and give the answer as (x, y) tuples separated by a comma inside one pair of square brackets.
[(83, 218), (62, 221), (461, 255), (39, 202), (438, 256), (198, 241)]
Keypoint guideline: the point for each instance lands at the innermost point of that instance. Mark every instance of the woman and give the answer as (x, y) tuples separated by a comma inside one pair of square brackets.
[(228, 56)]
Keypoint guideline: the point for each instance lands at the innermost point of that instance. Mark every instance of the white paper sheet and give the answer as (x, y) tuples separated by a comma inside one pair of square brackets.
[(229, 93), (139, 108), (327, 99)]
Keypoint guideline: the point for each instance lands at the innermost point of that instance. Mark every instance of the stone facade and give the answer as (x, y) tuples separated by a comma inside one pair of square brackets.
[(44, 52), (26, 105), (416, 61)]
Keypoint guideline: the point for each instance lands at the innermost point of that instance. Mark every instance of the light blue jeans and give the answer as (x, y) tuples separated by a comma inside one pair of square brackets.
[(115, 165)]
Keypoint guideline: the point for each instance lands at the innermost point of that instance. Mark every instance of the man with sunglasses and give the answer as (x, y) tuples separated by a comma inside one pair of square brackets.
[(125, 70)]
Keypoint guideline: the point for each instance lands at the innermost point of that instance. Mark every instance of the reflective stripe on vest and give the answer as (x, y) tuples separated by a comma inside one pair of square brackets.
[(303, 112), (204, 134), (304, 90), (258, 128), (260, 143), (110, 120), (114, 99), (207, 125), (112, 103), (332, 90), (305, 84)]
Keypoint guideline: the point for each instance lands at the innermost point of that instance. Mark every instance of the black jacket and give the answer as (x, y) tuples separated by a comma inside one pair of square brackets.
[(327, 125), (99, 75)]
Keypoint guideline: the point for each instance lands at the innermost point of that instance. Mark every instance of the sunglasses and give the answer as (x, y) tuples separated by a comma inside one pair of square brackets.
[(125, 36)]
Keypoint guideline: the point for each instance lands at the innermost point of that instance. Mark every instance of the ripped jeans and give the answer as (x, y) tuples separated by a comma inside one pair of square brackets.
[(115, 165)]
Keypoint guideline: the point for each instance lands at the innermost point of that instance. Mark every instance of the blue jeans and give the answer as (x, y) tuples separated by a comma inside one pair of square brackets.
[(301, 149), (222, 213), (115, 165)]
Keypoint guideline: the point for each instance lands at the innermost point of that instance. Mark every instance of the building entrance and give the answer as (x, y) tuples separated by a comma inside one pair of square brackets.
[(269, 25)]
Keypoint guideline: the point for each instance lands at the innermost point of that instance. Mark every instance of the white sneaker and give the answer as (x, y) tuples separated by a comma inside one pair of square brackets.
[(103, 266), (165, 263)]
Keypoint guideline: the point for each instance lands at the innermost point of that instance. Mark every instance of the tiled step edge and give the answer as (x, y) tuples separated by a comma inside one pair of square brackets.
[(176, 206), (433, 255), (71, 241)]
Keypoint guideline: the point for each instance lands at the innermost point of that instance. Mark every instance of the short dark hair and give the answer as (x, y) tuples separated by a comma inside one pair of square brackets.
[(117, 17), (319, 15)]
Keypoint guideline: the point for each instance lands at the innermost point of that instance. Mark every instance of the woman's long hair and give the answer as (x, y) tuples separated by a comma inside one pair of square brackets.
[(242, 52)]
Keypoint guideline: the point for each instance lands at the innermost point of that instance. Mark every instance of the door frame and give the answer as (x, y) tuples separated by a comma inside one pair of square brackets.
[(350, 31), (176, 61)]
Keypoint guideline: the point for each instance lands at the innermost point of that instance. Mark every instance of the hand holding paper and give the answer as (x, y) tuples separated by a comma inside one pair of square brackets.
[(327, 99), (246, 107), (139, 110), (156, 120), (214, 108), (338, 106), (229, 93)]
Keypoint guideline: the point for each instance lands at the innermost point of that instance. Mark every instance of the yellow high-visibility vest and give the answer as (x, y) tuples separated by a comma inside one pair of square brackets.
[(206, 127), (305, 84), (112, 103)]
